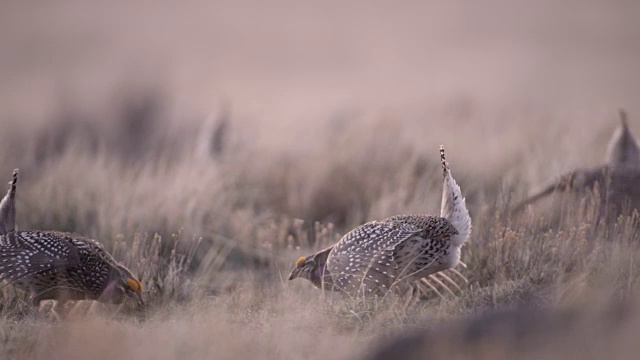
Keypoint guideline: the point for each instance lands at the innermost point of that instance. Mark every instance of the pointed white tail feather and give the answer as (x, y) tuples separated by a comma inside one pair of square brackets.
[(430, 286), (447, 279), (453, 205), (622, 150), (8, 207), (464, 278), (435, 279)]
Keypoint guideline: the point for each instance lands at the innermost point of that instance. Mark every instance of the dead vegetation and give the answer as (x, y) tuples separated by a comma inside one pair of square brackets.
[(209, 145), (214, 237)]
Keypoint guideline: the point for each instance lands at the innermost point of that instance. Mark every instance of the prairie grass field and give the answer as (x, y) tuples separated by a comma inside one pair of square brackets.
[(209, 145)]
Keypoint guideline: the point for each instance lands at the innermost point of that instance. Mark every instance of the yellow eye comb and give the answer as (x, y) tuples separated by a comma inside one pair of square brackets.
[(302, 258), (135, 285)]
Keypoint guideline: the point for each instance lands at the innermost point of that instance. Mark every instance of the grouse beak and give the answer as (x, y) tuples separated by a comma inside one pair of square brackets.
[(294, 274), (139, 300)]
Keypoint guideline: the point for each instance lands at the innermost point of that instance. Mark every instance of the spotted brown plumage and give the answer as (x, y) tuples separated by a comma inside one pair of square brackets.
[(395, 252), (63, 266)]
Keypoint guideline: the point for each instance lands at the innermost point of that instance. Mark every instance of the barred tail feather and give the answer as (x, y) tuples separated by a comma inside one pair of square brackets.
[(453, 204), (8, 207)]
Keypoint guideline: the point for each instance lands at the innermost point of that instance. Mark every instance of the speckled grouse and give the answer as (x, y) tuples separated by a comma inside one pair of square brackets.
[(60, 266), (617, 181), (393, 253)]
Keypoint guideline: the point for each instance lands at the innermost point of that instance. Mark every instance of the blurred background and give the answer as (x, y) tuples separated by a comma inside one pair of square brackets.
[(308, 85), (496, 82), (290, 63)]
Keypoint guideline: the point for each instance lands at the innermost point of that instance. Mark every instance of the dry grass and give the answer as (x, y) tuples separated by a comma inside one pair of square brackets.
[(213, 238), (335, 118)]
